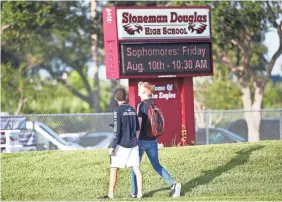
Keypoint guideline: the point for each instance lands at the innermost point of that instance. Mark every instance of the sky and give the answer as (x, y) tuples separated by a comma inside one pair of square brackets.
[(272, 42)]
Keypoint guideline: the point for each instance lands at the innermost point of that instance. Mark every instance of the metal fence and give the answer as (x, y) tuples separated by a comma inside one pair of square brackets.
[(208, 123), (56, 131), (234, 121), (74, 123)]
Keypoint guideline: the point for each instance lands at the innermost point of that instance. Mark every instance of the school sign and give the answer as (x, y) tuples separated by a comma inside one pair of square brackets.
[(163, 23), (166, 46)]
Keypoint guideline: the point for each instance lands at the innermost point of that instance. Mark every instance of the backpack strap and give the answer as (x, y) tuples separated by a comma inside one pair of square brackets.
[(146, 102)]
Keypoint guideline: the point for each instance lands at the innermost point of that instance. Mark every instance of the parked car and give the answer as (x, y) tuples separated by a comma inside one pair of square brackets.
[(93, 140), (49, 139), (269, 128), (102, 140), (19, 135), (217, 136), (17, 141)]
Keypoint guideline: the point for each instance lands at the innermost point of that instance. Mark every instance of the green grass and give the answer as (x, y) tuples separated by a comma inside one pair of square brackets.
[(249, 171)]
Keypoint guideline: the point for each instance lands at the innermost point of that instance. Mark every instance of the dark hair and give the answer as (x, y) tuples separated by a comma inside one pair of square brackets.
[(120, 94)]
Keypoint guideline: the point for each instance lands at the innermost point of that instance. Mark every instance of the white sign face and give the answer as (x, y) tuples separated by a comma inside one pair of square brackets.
[(163, 23)]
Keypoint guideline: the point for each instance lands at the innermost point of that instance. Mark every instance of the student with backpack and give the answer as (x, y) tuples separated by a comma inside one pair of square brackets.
[(124, 151), (151, 125)]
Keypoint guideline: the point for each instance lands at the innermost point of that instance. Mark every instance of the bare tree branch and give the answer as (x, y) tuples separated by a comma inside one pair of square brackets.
[(69, 87), (74, 91), (272, 19), (4, 27), (21, 102), (94, 50), (274, 58), (85, 81), (224, 59)]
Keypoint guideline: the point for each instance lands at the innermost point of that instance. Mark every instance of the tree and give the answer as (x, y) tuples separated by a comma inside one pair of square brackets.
[(18, 31), (115, 83), (222, 95), (94, 37), (216, 92), (13, 85), (241, 28), (56, 37), (238, 32), (208, 89), (272, 97)]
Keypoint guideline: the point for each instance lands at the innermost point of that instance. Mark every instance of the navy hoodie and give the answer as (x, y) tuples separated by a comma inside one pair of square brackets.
[(125, 126)]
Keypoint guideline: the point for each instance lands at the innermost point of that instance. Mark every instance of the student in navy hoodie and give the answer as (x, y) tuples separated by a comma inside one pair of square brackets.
[(124, 151)]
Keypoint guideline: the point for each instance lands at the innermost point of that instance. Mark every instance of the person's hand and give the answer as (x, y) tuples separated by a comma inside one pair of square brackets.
[(111, 151)]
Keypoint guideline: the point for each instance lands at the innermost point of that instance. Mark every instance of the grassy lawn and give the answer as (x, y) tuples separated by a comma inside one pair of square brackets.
[(245, 171)]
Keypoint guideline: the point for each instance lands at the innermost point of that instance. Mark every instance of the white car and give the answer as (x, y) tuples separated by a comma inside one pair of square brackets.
[(90, 140), (50, 139), (14, 141), (33, 137)]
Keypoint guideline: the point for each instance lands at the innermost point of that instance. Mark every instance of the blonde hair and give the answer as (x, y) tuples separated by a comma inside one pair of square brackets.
[(149, 88)]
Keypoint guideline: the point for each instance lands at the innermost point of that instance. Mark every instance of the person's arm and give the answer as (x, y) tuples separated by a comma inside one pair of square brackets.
[(117, 129), (138, 132), (137, 123), (139, 119)]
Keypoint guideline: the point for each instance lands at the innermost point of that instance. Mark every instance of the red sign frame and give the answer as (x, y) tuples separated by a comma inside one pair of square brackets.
[(112, 42)]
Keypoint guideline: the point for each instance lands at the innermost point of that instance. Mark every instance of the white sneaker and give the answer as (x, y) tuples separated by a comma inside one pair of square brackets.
[(139, 195), (176, 190)]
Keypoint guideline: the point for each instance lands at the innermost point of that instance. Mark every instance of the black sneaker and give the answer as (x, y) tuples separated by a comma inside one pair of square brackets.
[(105, 197), (132, 196), (172, 186), (176, 189)]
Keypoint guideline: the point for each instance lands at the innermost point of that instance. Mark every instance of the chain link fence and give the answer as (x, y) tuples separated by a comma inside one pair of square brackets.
[(93, 130), (74, 123), (234, 122), (56, 131)]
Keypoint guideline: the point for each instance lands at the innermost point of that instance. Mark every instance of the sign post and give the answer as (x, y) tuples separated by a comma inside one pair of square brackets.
[(166, 46)]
